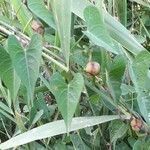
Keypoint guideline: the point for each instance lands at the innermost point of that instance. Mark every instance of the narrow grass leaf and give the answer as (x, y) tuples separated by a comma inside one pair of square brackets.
[(23, 14), (55, 128), (62, 14), (121, 7), (6, 108)]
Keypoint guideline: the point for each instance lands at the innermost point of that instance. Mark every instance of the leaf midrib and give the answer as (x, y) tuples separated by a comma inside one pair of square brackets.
[(28, 72)]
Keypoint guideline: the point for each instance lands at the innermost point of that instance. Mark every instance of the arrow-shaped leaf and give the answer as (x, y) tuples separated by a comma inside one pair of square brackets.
[(26, 61), (67, 95)]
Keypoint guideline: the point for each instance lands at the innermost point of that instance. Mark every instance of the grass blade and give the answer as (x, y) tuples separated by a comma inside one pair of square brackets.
[(55, 128), (23, 15), (62, 14)]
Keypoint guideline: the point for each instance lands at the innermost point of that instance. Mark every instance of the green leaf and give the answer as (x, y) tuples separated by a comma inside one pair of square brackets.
[(117, 31), (38, 8), (26, 61), (60, 145), (122, 146), (9, 21), (23, 14), (6, 108), (139, 73), (8, 74), (117, 130), (55, 128), (96, 29), (7, 115), (127, 89), (62, 14), (141, 144), (67, 95), (40, 104), (37, 117), (107, 100), (114, 77), (121, 7), (78, 143)]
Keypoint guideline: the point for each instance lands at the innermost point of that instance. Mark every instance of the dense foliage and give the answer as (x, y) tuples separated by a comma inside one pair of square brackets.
[(75, 74)]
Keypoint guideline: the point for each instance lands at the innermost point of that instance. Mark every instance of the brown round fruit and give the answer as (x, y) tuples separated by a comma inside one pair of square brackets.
[(93, 68), (136, 124), (37, 27)]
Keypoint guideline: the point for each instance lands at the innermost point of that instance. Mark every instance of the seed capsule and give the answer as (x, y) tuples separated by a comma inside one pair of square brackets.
[(37, 27), (136, 124), (93, 68)]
